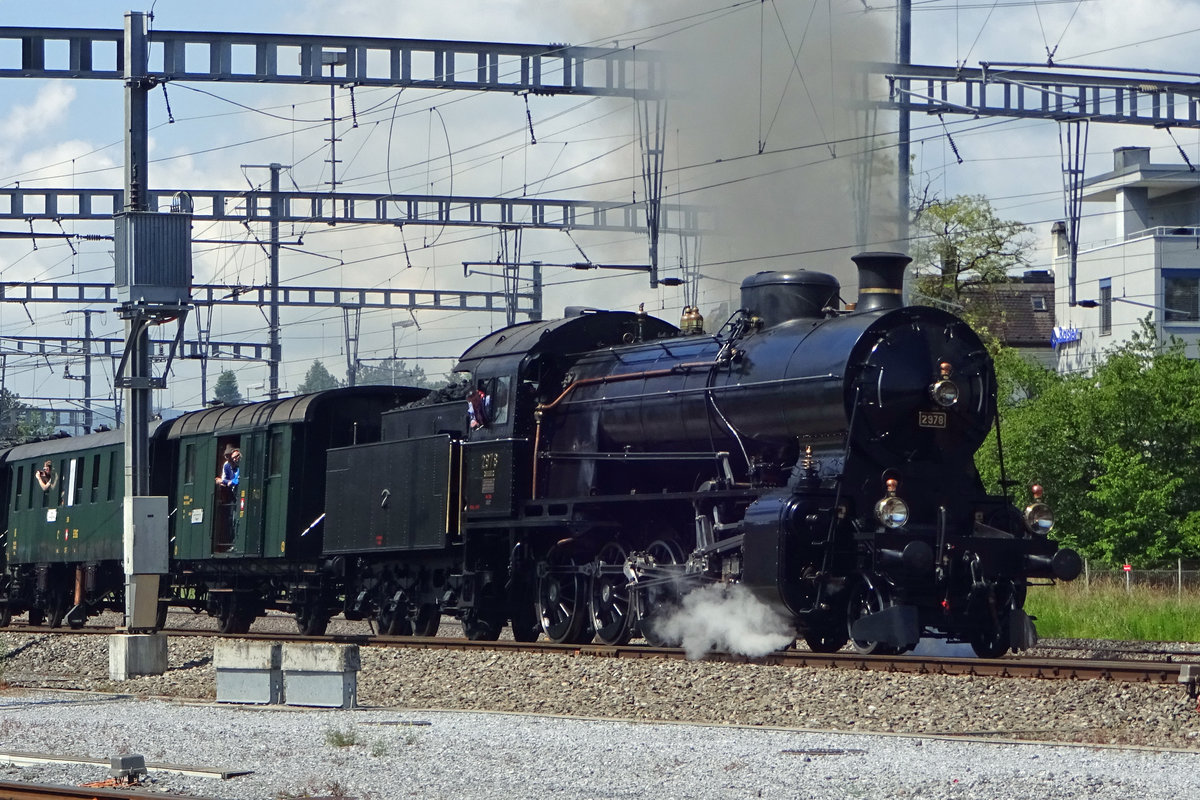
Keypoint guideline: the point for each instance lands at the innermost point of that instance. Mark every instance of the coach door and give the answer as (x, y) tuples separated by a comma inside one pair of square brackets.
[(250, 493), (275, 485)]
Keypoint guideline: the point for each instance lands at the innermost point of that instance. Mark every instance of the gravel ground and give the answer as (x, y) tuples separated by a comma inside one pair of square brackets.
[(468, 755)]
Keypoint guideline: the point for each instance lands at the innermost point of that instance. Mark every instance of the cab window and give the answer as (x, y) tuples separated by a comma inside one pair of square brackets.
[(499, 389)]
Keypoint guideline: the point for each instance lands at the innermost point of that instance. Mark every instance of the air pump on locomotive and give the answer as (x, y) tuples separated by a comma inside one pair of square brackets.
[(820, 457)]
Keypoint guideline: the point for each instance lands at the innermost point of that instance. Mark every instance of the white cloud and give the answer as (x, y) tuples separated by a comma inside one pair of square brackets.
[(46, 113)]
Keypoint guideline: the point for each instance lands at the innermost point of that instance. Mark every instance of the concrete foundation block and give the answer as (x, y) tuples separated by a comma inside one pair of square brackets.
[(131, 655), (248, 672), (323, 675)]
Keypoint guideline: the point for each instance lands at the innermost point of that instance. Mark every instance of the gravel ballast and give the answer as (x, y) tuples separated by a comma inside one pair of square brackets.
[(372, 752)]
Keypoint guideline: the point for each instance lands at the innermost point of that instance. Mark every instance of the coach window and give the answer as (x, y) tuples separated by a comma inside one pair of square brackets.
[(275, 454), (73, 477), (18, 487), (112, 475), (189, 464), (95, 477)]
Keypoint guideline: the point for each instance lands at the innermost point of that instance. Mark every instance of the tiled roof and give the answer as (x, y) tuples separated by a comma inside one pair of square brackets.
[(1010, 311)]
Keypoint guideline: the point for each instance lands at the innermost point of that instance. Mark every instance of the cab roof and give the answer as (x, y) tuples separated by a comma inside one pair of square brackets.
[(586, 330)]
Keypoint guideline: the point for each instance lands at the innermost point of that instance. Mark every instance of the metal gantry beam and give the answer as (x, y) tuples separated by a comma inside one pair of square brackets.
[(319, 296), (1138, 97), (297, 58), (78, 347), (225, 205)]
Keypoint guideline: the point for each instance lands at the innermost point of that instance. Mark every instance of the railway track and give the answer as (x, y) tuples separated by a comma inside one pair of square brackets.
[(1127, 670), (39, 791)]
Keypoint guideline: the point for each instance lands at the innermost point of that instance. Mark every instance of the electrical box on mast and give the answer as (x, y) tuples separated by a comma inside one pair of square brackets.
[(153, 254)]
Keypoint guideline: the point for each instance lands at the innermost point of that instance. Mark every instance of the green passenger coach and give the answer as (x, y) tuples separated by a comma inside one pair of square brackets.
[(65, 526), (273, 519)]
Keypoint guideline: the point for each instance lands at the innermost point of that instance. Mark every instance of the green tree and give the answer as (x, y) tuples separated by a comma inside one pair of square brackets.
[(393, 372), (317, 379), (19, 422), (225, 390), (962, 243), (1118, 451)]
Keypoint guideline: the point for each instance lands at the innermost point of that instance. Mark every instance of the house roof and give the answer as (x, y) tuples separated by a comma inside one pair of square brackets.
[(1011, 312)]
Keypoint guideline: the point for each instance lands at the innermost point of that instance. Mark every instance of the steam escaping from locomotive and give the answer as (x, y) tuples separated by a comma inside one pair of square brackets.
[(728, 618)]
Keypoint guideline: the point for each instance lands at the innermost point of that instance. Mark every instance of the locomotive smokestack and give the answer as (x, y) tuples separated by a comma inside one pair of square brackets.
[(880, 280)]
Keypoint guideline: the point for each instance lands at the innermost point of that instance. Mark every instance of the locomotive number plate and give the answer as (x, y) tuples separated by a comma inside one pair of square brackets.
[(931, 419)]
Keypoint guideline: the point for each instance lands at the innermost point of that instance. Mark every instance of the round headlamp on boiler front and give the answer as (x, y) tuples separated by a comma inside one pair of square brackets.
[(944, 391), (891, 511), (1039, 518)]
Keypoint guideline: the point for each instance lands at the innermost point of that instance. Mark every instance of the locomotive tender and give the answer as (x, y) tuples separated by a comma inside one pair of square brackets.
[(821, 458)]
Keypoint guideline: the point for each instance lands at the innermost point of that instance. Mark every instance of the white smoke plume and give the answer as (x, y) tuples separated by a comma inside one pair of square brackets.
[(728, 618)]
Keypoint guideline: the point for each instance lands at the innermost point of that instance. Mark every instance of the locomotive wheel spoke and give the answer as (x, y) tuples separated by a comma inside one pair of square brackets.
[(610, 601), (562, 601), (658, 600)]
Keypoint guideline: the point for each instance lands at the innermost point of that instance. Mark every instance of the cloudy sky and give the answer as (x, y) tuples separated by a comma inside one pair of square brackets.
[(758, 131)]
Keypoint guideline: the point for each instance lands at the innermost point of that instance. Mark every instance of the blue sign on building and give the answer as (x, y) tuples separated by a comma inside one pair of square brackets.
[(1062, 335)]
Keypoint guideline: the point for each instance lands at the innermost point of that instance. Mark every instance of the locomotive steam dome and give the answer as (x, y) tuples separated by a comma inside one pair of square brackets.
[(777, 297)]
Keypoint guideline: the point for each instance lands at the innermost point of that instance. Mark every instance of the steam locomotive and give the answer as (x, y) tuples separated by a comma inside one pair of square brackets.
[(821, 457)]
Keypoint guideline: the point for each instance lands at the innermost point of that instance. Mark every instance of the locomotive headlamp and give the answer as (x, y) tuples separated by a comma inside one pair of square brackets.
[(944, 391), (891, 511), (1038, 516)]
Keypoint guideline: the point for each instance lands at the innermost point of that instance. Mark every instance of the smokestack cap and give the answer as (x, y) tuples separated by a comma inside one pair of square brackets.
[(777, 297), (880, 280)]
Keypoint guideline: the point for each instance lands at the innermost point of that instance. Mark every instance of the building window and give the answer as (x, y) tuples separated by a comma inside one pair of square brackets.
[(1039, 302), (1105, 307), (1181, 295)]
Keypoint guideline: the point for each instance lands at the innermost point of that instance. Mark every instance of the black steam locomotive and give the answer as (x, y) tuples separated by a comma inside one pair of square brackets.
[(820, 457)]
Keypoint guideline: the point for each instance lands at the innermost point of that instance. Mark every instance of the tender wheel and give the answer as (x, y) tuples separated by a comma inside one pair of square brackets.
[(659, 599), (393, 618), (526, 621), (480, 627), (429, 617), (562, 600), (867, 599), (610, 601)]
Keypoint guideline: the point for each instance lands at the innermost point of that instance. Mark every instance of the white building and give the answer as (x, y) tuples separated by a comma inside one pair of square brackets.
[(1148, 265)]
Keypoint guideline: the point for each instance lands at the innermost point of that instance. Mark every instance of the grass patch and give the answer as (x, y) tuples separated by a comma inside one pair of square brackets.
[(1105, 610), (336, 737)]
